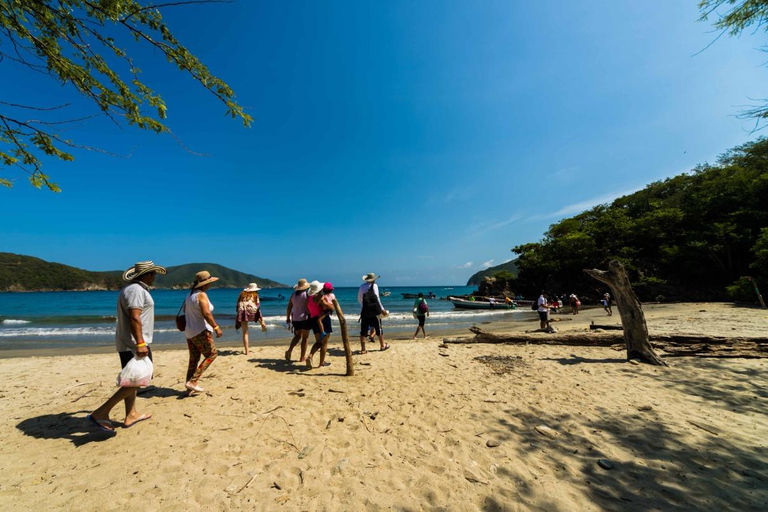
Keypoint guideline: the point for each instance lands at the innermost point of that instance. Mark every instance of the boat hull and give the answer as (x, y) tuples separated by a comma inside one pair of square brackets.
[(477, 304)]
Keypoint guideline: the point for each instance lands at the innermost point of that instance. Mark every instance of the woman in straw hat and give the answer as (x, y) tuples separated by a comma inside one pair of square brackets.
[(200, 328), (296, 313), (249, 310)]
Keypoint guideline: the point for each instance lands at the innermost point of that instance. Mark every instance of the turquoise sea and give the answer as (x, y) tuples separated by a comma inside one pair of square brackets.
[(67, 319)]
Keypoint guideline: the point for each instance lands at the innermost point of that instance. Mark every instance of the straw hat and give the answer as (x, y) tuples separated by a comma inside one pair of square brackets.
[(370, 277), (203, 278), (141, 268), (253, 287), (301, 285), (315, 287)]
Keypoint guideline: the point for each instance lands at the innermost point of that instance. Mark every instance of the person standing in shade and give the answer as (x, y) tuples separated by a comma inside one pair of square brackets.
[(421, 309), (607, 303), (135, 324), (200, 328), (543, 310), (297, 314), (249, 310), (320, 307), (370, 309), (575, 303)]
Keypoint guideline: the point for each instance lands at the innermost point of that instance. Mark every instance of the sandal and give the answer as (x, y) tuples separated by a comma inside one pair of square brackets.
[(385, 347)]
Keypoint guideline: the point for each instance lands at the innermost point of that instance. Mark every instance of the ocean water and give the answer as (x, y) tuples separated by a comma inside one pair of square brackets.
[(69, 319)]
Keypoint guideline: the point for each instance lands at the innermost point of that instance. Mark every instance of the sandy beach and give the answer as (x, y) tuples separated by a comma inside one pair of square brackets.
[(419, 427)]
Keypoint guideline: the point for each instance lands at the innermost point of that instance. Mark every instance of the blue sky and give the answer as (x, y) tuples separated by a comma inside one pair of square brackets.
[(419, 140)]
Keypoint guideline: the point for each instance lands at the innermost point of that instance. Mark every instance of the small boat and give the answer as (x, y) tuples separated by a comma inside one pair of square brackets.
[(386, 294), (430, 295), (478, 304)]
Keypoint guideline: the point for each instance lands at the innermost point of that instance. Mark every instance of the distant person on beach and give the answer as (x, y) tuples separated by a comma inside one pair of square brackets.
[(135, 324), (543, 310), (421, 309), (297, 314), (320, 307), (249, 310), (575, 303), (607, 303), (370, 309), (200, 328)]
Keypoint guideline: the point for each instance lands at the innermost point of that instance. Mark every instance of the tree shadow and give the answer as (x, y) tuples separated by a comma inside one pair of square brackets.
[(64, 425), (658, 471), (574, 359), (158, 392)]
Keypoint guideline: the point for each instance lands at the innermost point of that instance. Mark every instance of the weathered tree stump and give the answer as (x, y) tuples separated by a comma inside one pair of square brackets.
[(632, 317), (344, 338)]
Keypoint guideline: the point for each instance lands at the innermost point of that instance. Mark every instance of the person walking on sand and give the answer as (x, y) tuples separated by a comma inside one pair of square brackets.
[(370, 309), (320, 306), (575, 303), (543, 310), (249, 310), (421, 310), (135, 325), (297, 314), (200, 328), (607, 304)]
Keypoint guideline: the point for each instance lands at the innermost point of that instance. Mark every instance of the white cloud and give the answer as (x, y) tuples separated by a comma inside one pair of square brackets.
[(488, 264), (484, 228), (466, 265), (581, 206)]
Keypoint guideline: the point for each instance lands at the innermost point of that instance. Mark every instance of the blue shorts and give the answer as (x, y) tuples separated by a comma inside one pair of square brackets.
[(327, 327)]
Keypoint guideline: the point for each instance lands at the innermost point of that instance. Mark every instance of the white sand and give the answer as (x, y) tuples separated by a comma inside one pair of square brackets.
[(408, 432)]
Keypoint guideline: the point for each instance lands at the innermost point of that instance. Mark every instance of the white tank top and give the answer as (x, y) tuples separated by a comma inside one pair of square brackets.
[(195, 321)]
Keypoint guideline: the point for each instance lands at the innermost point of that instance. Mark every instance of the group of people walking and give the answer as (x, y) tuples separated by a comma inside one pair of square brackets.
[(309, 309)]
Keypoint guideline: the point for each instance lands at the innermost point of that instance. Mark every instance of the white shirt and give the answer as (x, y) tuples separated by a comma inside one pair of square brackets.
[(364, 288), (196, 323), (134, 296), (542, 305)]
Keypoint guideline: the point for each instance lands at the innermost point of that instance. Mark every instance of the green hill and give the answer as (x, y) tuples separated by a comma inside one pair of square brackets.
[(477, 278), (25, 273)]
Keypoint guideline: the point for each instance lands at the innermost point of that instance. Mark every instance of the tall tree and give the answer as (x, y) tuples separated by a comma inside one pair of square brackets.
[(74, 42)]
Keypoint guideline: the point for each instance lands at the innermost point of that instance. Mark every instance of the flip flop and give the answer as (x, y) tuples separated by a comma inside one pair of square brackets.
[(100, 424), (386, 346), (363, 352), (143, 417)]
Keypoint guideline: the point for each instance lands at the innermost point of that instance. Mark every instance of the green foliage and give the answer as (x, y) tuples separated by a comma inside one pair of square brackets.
[(63, 40), (477, 278), (689, 236), (734, 16), (25, 273), (742, 290)]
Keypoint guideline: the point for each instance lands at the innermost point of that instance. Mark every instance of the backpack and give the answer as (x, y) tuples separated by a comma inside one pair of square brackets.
[(371, 305), (423, 308), (535, 305)]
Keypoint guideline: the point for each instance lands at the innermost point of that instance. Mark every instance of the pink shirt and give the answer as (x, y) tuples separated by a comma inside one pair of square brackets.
[(315, 310)]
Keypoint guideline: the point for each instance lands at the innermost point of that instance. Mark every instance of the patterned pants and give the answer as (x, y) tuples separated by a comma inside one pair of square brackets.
[(202, 344)]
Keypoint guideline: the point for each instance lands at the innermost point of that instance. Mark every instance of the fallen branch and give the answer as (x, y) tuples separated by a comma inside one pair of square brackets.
[(673, 344)]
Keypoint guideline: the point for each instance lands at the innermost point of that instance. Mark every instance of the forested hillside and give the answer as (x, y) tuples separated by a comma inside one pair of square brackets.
[(26, 273), (695, 236), (477, 277)]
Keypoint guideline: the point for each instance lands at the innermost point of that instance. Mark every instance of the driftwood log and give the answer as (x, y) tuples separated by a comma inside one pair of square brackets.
[(672, 345), (632, 317), (344, 338), (594, 326)]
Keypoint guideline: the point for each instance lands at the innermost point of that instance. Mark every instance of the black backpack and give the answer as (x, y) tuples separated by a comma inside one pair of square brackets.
[(371, 305), (535, 305)]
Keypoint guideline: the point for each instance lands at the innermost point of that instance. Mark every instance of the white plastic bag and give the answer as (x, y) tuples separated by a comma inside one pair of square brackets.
[(137, 373)]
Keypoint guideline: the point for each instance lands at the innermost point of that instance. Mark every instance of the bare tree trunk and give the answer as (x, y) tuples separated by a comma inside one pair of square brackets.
[(344, 338), (632, 317)]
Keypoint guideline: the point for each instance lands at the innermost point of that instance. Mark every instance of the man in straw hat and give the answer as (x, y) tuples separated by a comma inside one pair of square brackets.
[(297, 313), (370, 309), (135, 324)]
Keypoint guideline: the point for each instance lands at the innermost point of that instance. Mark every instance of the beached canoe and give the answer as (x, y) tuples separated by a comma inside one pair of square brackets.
[(477, 304)]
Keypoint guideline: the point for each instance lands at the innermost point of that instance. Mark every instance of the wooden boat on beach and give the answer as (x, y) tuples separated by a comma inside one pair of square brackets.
[(478, 304)]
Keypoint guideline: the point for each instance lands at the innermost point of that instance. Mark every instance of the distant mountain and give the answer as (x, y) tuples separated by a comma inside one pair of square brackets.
[(19, 273), (477, 278)]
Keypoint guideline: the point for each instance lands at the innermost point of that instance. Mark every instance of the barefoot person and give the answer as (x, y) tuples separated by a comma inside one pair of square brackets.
[(135, 323), (421, 309), (249, 310), (370, 309), (320, 307), (298, 315), (200, 329)]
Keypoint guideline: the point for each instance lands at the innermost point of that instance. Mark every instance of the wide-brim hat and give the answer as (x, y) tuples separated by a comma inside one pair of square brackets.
[(252, 287), (203, 278), (141, 268), (370, 277), (302, 284), (315, 287)]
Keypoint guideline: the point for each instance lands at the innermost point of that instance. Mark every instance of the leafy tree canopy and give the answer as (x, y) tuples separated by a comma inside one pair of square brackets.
[(74, 42), (693, 236)]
